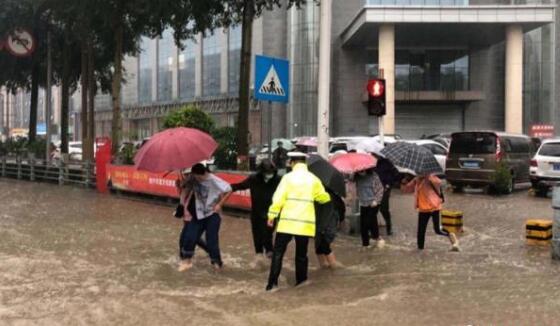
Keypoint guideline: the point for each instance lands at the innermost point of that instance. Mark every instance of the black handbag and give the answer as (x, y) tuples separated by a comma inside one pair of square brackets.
[(179, 211)]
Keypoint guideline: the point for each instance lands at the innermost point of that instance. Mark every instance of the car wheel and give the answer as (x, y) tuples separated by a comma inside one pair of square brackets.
[(510, 186), (457, 188), (541, 191)]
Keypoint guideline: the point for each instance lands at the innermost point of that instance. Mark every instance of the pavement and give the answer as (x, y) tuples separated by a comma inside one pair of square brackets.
[(74, 257)]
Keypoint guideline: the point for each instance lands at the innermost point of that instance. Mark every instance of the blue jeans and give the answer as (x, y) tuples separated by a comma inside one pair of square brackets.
[(201, 243), (193, 233)]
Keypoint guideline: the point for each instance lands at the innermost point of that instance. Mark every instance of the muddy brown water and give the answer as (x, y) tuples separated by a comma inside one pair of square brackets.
[(73, 257)]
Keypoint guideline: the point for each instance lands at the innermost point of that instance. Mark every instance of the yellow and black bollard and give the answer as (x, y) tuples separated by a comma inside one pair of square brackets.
[(538, 232), (452, 221)]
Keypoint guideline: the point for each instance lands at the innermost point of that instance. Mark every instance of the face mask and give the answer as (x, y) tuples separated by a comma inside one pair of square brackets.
[(268, 176)]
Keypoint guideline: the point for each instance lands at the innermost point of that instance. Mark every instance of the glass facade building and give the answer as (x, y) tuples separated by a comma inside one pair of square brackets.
[(234, 59), (539, 82), (166, 46), (427, 69), (187, 70), (211, 65), (304, 56), (145, 64)]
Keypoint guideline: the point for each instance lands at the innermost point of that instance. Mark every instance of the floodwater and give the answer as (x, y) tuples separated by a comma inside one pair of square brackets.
[(69, 256)]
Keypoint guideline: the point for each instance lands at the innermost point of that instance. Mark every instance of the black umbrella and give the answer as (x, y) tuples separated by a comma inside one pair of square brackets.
[(328, 174)]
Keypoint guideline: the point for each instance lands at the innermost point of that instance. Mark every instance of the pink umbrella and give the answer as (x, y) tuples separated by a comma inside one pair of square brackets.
[(307, 141), (175, 149), (353, 162)]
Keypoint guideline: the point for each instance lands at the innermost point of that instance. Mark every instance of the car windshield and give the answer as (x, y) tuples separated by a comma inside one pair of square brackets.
[(550, 149), (473, 143)]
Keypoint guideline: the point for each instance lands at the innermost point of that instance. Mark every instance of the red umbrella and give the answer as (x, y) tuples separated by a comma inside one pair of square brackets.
[(353, 162), (175, 149)]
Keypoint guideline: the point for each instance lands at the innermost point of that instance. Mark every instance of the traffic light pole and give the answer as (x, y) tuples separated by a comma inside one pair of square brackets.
[(381, 122)]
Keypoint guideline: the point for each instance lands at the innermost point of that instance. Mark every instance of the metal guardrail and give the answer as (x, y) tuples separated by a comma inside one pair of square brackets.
[(59, 172)]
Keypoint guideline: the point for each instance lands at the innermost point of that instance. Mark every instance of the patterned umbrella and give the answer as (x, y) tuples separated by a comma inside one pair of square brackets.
[(412, 157), (353, 162)]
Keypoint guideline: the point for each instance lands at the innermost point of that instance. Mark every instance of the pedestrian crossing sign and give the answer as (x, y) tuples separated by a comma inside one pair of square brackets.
[(272, 79)]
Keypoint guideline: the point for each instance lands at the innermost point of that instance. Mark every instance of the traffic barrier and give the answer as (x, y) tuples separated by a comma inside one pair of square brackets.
[(538, 232), (55, 171), (128, 178), (452, 221)]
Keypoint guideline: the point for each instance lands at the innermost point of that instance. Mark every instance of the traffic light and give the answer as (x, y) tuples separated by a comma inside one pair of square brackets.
[(376, 97)]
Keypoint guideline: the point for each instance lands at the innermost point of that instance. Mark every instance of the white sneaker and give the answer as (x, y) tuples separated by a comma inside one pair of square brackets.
[(380, 243), (184, 265)]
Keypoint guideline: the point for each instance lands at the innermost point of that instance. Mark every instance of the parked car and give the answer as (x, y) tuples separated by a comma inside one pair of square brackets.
[(439, 151), (388, 138), (545, 166), (74, 150), (474, 157), (444, 139)]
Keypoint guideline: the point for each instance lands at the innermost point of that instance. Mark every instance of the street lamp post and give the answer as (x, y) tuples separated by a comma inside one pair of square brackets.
[(323, 119)]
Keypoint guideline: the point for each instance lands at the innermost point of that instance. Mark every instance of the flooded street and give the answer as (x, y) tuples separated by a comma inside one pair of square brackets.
[(70, 256)]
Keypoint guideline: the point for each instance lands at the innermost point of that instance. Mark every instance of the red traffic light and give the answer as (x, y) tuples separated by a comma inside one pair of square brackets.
[(376, 88)]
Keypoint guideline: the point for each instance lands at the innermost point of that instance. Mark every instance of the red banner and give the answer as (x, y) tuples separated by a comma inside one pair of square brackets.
[(127, 178), (542, 131)]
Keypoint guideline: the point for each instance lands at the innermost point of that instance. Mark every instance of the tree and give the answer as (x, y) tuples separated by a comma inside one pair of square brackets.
[(190, 117), (25, 73), (245, 12)]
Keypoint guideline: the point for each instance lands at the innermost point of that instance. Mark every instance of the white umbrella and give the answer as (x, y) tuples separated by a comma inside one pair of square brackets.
[(370, 145)]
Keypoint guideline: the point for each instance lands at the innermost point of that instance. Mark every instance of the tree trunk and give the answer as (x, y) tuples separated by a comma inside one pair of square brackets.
[(34, 101), (91, 105), (84, 81), (116, 87), (244, 85), (64, 106)]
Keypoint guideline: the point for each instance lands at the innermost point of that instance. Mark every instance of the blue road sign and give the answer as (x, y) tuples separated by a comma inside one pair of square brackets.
[(272, 79), (41, 128)]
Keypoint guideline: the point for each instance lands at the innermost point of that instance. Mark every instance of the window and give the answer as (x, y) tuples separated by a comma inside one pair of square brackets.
[(427, 70), (234, 59), (165, 64), (550, 149), (146, 60), (187, 70), (211, 66), (473, 143)]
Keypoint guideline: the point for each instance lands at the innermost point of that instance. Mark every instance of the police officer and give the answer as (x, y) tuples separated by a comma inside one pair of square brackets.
[(293, 205)]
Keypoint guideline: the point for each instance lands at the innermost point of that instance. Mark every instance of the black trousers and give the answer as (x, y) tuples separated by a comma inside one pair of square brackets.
[(423, 219), (368, 224), (280, 244), (322, 246), (262, 234), (384, 209)]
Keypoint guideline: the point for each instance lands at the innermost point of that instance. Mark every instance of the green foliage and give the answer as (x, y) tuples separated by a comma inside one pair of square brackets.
[(190, 117), (226, 154), (126, 154), (38, 147), (21, 145), (502, 179)]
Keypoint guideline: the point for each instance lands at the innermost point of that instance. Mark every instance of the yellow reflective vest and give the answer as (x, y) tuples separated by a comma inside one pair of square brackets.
[(294, 201)]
